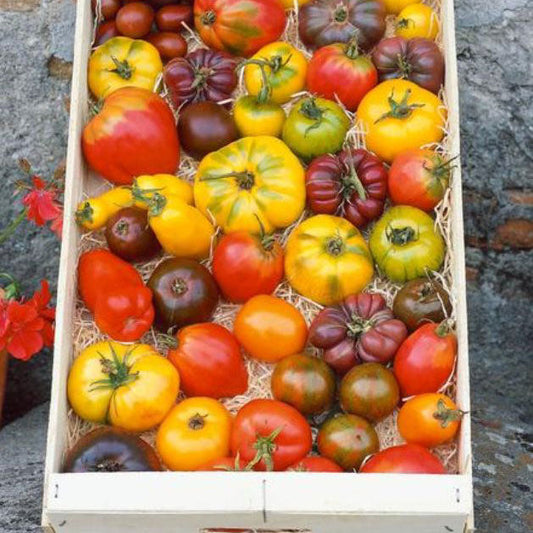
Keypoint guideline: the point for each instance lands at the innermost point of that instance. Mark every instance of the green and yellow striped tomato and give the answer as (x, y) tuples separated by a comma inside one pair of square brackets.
[(254, 184), (254, 118)]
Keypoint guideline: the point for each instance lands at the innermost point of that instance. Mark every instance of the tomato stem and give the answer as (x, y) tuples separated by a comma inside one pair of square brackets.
[(341, 13), (201, 76), (209, 18), (84, 213), (401, 109), (267, 241), (352, 48), (352, 181), (118, 372), (123, 68), (446, 415), (401, 236), (403, 65), (265, 447), (335, 246), (179, 286), (443, 329), (245, 179), (197, 422)]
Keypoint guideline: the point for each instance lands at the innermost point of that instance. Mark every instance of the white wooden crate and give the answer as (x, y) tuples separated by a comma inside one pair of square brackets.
[(180, 502)]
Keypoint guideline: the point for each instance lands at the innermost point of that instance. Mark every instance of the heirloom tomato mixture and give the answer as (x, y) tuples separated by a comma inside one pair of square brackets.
[(264, 272)]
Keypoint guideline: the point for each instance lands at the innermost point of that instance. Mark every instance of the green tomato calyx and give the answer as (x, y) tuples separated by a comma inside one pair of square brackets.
[(335, 246), (123, 68), (245, 179), (208, 18), (265, 447), (340, 14), (118, 372), (401, 109), (401, 236), (352, 49), (446, 415), (197, 422)]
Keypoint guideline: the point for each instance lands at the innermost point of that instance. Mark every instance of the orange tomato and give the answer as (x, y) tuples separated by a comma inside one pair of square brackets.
[(270, 328), (429, 419)]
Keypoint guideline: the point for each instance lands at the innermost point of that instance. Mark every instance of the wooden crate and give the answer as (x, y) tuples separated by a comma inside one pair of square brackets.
[(181, 502)]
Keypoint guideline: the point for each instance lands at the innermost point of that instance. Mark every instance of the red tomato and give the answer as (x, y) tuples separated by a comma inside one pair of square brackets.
[(315, 463), (107, 8), (135, 19), (245, 265), (224, 464), (338, 70), (404, 459), (419, 178), (425, 360), (133, 134), (240, 27), (104, 32), (168, 44), (271, 434), (209, 361), (172, 17)]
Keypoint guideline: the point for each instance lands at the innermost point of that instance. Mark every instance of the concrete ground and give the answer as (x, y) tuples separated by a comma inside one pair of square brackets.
[(494, 52)]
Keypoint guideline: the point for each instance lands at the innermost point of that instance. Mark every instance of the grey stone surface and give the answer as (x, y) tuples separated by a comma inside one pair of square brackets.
[(494, 52)]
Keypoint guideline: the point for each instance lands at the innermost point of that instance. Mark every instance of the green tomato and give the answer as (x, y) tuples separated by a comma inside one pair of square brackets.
[(405, 244), (315, 126)]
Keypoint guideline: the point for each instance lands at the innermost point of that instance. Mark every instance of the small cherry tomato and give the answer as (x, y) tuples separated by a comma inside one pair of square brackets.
[(315, 463), (135, 20), (270, 328), (107, 8), (172, 17), (168, 44), (417, 20), (105, 31)]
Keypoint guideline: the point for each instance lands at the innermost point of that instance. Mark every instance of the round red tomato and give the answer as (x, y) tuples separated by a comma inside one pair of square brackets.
[(224, 464), (404, 459), (245, 265), (425, 360), (315, 463), (240, 27), (339, 71), (209, 361), (419, 178), (271, 434)]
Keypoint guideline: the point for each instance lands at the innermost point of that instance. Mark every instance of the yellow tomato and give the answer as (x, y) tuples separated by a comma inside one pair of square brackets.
[(417, 20), (195, 432), (289, 4), (123, 62), (145, 186), (254, 118), (285, 68), (129, 386), (254, 184), (327, 259), (395, 6), (398, 115), (181, 229), (94, 213)]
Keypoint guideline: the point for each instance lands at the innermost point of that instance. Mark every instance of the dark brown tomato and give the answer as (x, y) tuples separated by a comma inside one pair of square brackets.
[(184, 293), (108, 449), (369, 390), (129, 236), (420, 301), (172, 17), (135, 20), (108, 8), (204, 127), (347, 440), (105, 31), (168, 44), (305, 382)]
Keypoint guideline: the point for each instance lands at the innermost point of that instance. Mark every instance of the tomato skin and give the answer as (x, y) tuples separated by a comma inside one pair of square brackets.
[(133, 134), (395, 6), (254, 118), (337, 70), (105, 31), (305, 382), (135, 19), (245, 265), (417, 20), (425, 360), (429, 420), (347, 440), (108, 8), (257, 421), (168, 44), (403, 459), (209, 361), (224, 464), (315, 463), (94, 212), (196, 431), (270, 328), (172, 17), (418, 178), (144, 188)]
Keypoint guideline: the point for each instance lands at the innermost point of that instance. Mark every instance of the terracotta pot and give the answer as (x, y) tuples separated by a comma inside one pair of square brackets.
[(4, 358)]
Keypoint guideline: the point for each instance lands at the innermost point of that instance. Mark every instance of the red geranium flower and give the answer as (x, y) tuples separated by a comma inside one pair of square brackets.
[(41, 203)]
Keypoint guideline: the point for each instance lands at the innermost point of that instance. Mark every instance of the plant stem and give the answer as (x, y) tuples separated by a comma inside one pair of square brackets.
[(5, 234)]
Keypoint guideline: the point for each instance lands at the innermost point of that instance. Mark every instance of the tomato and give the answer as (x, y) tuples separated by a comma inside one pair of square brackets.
[(245, 265), (285, 69), (429, 420), (270, 434), (305, 382), (107, 449), (105, 31), (144, 187), (421, 300), (168, 44), (240, 27), (369, 390), (347, 440), (173, 17), (315, 463), (324, 22), (184, 293), (133, 134), (105, 9), (315, 126), (129, 386), (352, 184), (270, 328), (95, 212), (395, 6), (129, 236), (339, 71), (226, 464), (254, 117), (426, 359), (252, 184), (398, 116), (195, 431), (209, 361), (406, 244), (417, 20), (419, 178), (201, 75), (123, 62), (135, 19), (326, 259), (205, 127), (403, 459)]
